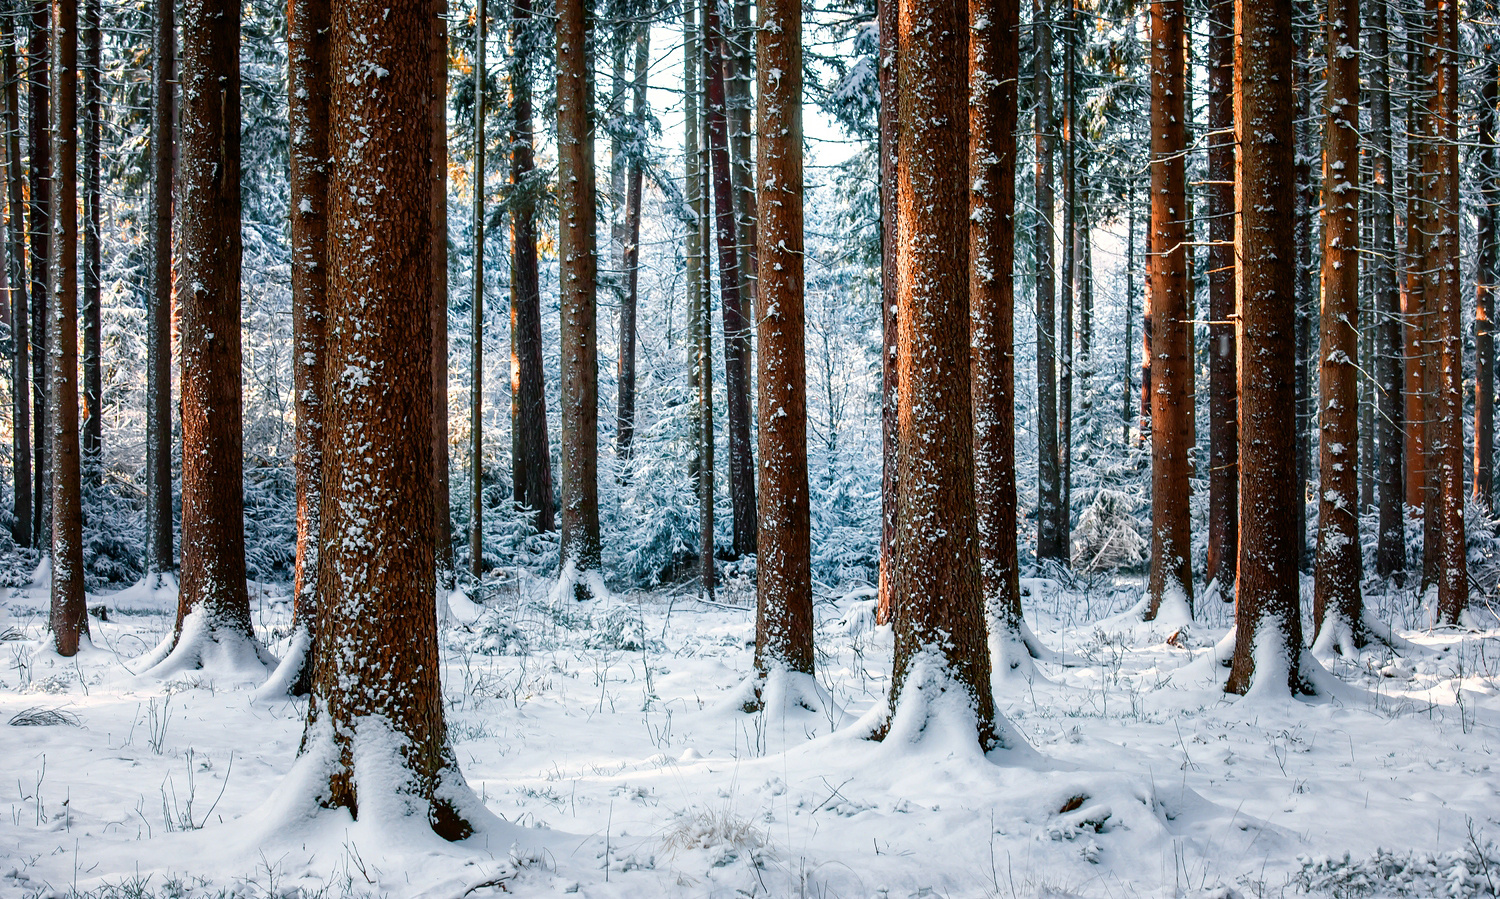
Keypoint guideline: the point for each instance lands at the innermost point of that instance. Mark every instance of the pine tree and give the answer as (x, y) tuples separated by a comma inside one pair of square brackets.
[(476, 305), (1051, 543), (700, 302), (38, 55), (631, 251), (888, 12), (92, 325), (1488, 236), (15, 236), (1223, 405), (437, 187), (159, 536)]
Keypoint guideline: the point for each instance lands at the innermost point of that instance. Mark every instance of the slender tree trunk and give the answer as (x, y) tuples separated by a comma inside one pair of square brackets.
[(159, 537), (1390, 554), (994, 69), (531, 453), (1448, 445), (579, 265), (784, 610), (378, 563), (1338, 607), (625, 412), (739, 75), (1414, 308), (437, 183), (93, 370), (213, 521), (1223, 387), (1303, 238), (476, 306), (1129, 398), (940, 631), (737, 325), (15, 236), (307, 77), (1484, 293), (889, 12), (1171, 397), (699, 306), (1068, 296), (1050, 541), (37, 61), (1268, 626), (706, 493), (69, 620)]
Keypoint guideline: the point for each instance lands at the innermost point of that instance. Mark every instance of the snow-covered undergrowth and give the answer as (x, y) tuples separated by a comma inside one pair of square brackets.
[(607, 735)]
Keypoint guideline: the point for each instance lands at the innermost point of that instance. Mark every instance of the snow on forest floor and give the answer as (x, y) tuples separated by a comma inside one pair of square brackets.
[(607, 735)]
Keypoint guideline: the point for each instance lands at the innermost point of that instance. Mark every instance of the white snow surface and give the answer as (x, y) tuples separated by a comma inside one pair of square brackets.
[(607, 742)]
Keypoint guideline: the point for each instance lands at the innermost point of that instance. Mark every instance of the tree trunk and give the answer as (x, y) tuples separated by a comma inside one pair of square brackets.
[(699, 301), (1068, 296), (15, 237), (1306, 212), (940, 631), (437, 184), (1050, 541), (739, 73), (378, 561), (1448, 445), (994, 69), (531, 453), (159, 536), (737, 326), (37, 61), (1268, 626), (1390, 554), (1223, 403), (1484, 293), (1171, 393), (625, 412), (579, 266), (476, 306), (1128, 400), (69, 620), (1414, 306), (307, 78), (1338, 608), (93, 371), (889, 12), (213, 520), (784, 609)]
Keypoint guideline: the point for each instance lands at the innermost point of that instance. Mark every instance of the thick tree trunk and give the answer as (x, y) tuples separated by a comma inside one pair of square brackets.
[(1268, 626), (579, 267), (377, 571), (1223, 386), (1448, 442), (69, 619), (531, 453), (213, 520), (784, 609), (625, 407), (940, 631), (37, 61), (737, 324), (889, 12), (307, 96), (1051, 542), (159, 536), (1338, 607), (15, 237), (476, 305), (93, 369), (1488, 234), (994, 67), (1390, 554), (1171, 392)]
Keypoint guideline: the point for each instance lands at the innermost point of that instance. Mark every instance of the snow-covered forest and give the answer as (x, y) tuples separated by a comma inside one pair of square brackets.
[(778, 448)]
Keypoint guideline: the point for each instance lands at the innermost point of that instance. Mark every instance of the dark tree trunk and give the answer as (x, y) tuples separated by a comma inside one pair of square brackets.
[(1303, 238), (1051, 543), (93, 370), (579, 267), (159, 537), (1448, 374), (213, 520), (1484, 294), (625, 408), (739, 74), (38, 57), (1267, 622), (737, 325), (531, 454), (889, 12), (1223, 403), (1128, 400), (699, 302), (784, 609), (940, 631), (1414, 303), (378, 561), (476, 306), (307, 77), (1390, 555), (437, 185), (994, 68), (1068, 295), (69, 619), (15, 237), (1171, 361), (1338, 607)]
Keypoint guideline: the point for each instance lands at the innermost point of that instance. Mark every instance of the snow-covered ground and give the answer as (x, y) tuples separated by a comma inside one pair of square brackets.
[(609, 737)]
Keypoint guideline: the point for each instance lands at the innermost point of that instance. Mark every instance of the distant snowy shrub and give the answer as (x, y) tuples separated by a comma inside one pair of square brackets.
[(1108, 534), (1470, 873)]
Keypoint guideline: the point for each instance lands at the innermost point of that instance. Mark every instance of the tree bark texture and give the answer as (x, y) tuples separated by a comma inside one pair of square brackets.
[(437, 185), (1051, 543), (92, 330), (38, 81), (941, 628), (1488, 233), (159, 536), (15, 236), (739, 73), (1223, 387), (889, 12), (625, 407), (1068, 295), (699, 307), (1171, 391), (1390, 554), (476, 305)]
